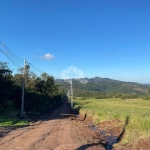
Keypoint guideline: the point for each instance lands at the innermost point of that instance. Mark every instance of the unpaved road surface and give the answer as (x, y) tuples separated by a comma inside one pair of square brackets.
[(54, 131)]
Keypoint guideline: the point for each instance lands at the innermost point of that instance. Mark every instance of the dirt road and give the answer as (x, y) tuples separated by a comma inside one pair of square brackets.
[(54, 131)]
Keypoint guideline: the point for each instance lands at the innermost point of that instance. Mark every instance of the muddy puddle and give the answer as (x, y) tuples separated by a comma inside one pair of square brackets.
[(109, 138)]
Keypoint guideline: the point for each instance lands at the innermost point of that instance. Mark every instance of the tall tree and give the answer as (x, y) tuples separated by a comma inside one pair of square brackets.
[(4, 70), (44, 76)]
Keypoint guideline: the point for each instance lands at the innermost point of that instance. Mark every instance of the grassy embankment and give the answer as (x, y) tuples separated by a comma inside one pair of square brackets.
[(138, 112), (8, 122)]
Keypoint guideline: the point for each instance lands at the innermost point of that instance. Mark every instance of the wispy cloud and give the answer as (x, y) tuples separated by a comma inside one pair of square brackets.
[(46, 57)]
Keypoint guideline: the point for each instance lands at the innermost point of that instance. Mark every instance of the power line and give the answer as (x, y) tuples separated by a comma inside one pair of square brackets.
[(37, 69), (17, 61), (34, 68), (10, 59), (11, 53)]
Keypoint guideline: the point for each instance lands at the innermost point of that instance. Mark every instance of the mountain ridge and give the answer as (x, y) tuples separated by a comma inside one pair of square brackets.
[(107, 85)]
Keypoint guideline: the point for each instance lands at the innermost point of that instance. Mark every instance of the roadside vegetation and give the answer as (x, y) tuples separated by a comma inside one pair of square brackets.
[(6, 121), (107, 110), (41, 94)]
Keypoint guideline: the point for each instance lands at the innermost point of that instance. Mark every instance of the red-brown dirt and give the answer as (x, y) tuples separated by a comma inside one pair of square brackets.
[(61, 130), (56, 132)]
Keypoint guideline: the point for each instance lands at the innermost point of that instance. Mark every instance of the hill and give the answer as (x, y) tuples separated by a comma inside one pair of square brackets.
[(105, 85)]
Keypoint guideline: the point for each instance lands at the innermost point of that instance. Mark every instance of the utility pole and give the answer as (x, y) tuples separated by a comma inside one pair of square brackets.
[(23, 86), (71, 95)]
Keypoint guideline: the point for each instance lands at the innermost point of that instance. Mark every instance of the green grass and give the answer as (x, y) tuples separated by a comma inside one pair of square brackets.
[(7, 121), (138, 112)]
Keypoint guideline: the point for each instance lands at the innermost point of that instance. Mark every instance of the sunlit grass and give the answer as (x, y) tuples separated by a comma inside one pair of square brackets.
[(109, 109), (7, 121)]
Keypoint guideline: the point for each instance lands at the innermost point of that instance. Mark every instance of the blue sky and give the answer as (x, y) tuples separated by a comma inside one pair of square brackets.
[(105, 38)]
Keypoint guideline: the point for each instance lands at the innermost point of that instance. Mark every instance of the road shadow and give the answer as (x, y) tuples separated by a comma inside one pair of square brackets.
[(108, 145), (48, 115), (84, 147), (4, 131)]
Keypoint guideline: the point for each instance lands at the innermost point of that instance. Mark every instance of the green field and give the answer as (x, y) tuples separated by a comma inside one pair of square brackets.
[(137, 110)]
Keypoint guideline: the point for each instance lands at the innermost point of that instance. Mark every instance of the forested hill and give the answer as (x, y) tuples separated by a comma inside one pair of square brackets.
[(106, 85)]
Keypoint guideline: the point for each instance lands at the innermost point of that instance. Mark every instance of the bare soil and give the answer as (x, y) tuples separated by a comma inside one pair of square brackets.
[(54, 131), (61, 129)]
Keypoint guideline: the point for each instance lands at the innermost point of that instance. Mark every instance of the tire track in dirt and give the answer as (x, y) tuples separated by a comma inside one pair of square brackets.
[(40, 142), (22, 132), (11, 137), (31, 137), (54, 131), (14, 134)]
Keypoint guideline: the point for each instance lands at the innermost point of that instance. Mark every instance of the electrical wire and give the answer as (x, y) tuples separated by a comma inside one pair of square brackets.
[(34, 68), (10, 59), (17, 61), (11, 53)]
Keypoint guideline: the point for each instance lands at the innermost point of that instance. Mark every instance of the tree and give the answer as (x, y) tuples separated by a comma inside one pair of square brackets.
[(26, 72), (18, 79), (148, 91), (33, 76), (49, 85), (29, 76), (4, 70), (44, 76), (39, 85), (40, 94)]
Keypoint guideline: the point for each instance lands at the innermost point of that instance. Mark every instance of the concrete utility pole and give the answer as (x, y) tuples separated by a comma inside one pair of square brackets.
[(23, 86), (71, 95)]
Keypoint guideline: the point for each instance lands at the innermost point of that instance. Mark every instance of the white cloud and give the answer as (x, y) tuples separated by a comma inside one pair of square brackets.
[(47, 57)]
